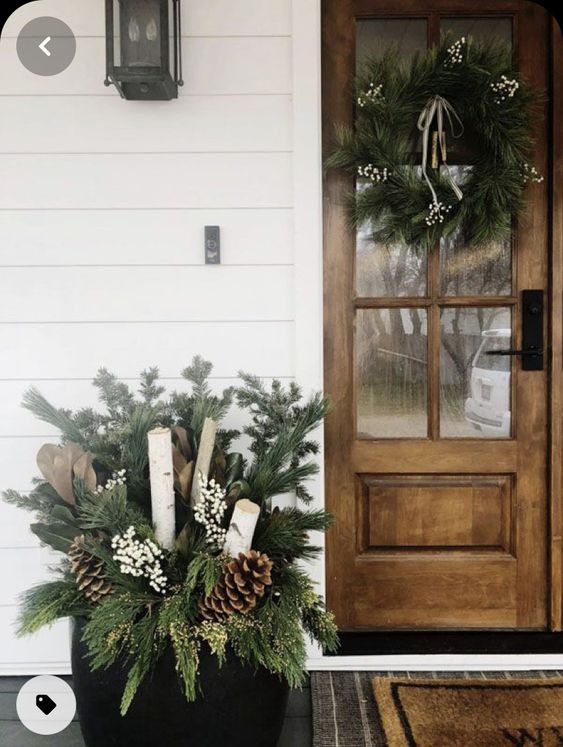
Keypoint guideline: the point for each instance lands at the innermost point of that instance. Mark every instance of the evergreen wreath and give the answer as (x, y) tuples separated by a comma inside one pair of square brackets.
[(472, 88)]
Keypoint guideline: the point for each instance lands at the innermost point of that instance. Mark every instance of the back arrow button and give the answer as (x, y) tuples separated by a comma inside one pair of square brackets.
[(43, 46), (46, 45)]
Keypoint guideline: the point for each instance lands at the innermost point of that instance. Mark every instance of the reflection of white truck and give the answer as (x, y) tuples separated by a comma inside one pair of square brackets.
[(488, 405)]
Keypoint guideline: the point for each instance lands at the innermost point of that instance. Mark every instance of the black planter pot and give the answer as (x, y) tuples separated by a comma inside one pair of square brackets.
[(237, 707)]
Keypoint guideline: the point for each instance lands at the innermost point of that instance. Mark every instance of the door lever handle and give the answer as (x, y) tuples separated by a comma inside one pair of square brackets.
[(529, 351)]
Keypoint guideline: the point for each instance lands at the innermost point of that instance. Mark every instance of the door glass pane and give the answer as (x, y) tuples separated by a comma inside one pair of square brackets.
[(391, 373), (475, 271), (391, 271), (375, 36), (475, 388), (398, 270), (484, 29)]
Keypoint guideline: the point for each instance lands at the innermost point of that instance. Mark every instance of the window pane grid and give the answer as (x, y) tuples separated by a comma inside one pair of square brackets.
[(424, 325)]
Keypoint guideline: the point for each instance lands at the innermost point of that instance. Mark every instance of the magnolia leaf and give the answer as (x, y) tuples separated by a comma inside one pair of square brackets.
[(238, 489), (178, 459), (185, 478), (64, 514), (183, 541), (55, 463), (83, 469), (234, 469), (181, 435), (58, 536)]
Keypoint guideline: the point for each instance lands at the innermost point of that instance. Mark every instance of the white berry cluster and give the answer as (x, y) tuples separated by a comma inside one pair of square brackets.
[(210, 509), (139, 558), (117, 478), (505, 88), (531, 174), (437, 213), (373, 173), (455, 53), (372, 94)]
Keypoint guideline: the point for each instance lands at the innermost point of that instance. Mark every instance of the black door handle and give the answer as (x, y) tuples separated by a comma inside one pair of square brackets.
[(532, 332), (529, 351)]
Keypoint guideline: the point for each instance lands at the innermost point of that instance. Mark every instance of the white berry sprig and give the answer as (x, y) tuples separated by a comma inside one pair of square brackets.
[(372, 94), (139, 558), (505, 88), (117, 478), (210, 510), (531, 174), (437, 212), (455, 53), (372, 173)]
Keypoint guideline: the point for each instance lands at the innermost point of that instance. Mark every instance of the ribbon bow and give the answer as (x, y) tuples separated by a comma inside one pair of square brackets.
[(436, 106)]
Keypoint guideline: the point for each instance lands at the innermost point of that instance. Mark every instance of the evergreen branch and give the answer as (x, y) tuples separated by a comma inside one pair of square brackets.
[(284, 534), (44, 604), (36, 403)]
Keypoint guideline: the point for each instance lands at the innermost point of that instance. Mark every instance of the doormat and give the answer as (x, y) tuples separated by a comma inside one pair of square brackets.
[(458, 713), (346, 713)]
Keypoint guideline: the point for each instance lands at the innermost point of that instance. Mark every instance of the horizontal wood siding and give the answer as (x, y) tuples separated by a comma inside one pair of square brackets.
[(199, 17), (213, 66), (255, 123), (49, 238), (103, 205)]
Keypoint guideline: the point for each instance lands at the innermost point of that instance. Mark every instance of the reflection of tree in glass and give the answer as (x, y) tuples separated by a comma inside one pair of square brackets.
[(391, 355), (392, 271)]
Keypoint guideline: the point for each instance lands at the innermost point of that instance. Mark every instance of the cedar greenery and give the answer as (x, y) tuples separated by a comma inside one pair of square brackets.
[(391, 95), (134, 624)]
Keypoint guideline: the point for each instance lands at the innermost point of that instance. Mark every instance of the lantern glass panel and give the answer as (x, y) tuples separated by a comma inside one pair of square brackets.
[(140, 29)]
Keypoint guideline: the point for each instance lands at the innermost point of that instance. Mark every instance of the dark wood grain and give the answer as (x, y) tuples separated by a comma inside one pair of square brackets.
[(556, 333)]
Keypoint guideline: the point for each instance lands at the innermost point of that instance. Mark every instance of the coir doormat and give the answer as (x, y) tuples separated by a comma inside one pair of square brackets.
[(461, 712)]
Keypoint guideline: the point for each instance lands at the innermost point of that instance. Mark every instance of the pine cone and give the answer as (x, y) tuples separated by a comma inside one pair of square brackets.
[(243, 581), (89, 571)]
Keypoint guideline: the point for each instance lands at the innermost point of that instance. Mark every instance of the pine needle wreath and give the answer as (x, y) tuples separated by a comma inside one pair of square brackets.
[(497, 112)]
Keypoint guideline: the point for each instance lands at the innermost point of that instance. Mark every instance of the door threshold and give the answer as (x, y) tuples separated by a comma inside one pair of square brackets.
[(411, 642)]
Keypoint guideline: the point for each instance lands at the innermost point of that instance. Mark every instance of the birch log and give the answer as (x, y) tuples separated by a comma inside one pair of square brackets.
[(162, 486), (204, 455), (241, 529)]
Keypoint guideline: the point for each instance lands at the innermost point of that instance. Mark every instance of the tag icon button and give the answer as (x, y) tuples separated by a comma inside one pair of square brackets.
[(45, 704)]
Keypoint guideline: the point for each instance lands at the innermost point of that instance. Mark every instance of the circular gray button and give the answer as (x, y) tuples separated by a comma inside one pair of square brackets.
[(46, 46), (46, 705)]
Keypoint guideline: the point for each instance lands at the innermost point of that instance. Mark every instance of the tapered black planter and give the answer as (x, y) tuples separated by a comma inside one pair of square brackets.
[(237, 706)]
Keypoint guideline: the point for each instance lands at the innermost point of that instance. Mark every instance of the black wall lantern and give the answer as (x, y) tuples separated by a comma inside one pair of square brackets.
[(144, 48)]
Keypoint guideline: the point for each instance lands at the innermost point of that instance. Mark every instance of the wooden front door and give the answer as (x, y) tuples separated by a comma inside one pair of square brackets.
[(436, 453)]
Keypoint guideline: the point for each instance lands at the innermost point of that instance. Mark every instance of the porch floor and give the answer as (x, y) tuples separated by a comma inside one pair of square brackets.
[(297, 730)]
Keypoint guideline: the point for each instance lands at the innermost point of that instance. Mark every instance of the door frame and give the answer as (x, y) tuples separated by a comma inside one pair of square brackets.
[(308, 318), (415, 644)]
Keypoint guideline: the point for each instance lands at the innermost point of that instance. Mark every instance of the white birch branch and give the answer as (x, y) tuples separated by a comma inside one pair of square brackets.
[(241, 529), (162, 486), (204, 455)]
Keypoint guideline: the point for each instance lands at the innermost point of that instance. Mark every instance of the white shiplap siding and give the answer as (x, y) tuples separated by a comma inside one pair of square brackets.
[(102, 209)]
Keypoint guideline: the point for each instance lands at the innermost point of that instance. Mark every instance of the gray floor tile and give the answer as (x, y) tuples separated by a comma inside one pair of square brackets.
[(13, 734)]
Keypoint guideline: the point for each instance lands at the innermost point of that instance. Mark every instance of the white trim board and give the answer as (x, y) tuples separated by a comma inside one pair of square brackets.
[(445, 663), (437, 663), (33, 670)]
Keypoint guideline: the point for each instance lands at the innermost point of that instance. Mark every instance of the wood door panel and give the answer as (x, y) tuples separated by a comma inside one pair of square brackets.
[(494, 457), (466, 592), (440, 512), (434, 532)]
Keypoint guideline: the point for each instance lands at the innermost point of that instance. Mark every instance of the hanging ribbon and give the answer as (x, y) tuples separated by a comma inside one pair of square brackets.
[(436, 107)]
